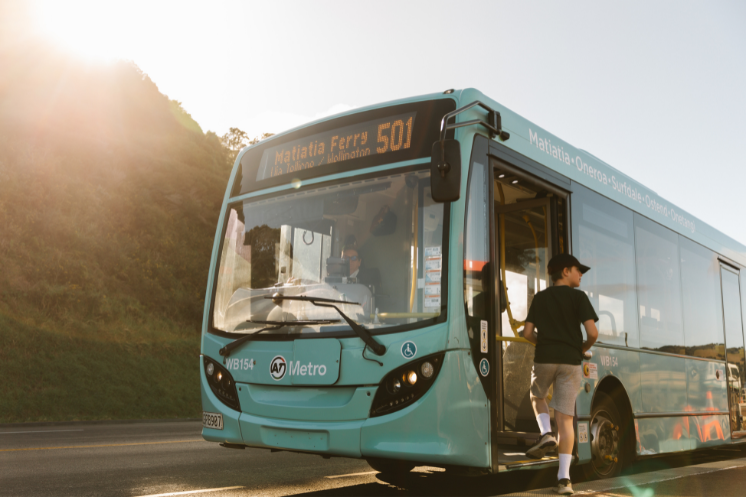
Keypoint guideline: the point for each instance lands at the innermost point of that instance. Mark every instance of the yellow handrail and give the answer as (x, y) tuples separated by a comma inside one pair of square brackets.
[(514, 324), (511, 339), (536, 247), (413, 292)]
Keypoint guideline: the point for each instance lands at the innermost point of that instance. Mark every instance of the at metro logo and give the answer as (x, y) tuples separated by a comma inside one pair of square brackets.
[(278, 367)]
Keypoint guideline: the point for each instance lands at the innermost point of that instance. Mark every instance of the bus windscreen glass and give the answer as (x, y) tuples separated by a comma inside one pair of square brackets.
[(378, 243)]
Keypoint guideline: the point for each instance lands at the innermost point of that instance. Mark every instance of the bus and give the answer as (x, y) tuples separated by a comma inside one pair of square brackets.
[(370, 276)]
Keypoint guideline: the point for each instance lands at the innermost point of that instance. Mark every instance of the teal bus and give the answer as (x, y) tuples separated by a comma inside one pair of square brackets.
[(371, 273)]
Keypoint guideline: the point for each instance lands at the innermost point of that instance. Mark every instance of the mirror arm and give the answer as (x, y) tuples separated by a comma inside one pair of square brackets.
[(494, 125)]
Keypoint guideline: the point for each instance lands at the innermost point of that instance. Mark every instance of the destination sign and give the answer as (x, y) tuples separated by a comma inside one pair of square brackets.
[(374, 137), (357, 141)]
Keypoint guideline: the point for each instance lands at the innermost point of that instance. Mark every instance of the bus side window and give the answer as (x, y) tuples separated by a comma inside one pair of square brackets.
[(603, 238), (659, 284), (703, 315)]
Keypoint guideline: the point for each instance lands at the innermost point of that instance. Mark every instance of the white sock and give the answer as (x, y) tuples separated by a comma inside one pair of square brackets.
[(564, 467), (544, 423)]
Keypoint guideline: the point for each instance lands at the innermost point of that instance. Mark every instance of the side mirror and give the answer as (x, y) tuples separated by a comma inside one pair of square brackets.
[(445, 171)]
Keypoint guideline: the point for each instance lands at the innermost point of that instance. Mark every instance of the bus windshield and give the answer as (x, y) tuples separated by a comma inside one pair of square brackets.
[(375, 242)]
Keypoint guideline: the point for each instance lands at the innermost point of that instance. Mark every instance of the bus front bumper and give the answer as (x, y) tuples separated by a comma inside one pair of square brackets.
[(449, 425)]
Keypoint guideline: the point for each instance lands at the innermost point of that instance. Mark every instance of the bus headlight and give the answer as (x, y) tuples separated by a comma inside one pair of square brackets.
[(427, 369), (402, 386), (411, 377), (221, 383)]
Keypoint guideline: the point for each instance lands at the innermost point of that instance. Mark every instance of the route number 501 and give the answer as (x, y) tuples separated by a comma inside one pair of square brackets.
[(394, 139)]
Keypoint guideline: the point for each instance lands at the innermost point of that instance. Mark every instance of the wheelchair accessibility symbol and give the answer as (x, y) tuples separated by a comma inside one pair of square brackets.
[(484, 367), (408, 350)]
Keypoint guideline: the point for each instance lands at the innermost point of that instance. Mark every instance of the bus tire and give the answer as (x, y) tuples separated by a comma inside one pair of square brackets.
[(390, 466), (609, 437)]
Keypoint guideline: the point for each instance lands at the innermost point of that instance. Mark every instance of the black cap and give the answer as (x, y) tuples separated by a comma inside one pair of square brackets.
[(561, 261)]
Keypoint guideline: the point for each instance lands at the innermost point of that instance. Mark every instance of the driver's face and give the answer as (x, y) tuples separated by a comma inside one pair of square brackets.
[(354, 258)]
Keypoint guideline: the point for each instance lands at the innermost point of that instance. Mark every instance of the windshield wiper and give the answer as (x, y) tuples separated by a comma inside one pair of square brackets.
[(275, 325), (364, 334), (295, 323)]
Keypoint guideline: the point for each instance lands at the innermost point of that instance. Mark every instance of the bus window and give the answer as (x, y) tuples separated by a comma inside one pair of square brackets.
[(659, 287), (604, 240), (703, 315), (384, 238)]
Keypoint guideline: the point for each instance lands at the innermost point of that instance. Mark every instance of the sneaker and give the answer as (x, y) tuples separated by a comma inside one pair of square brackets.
[(544, 445), (564, 487)]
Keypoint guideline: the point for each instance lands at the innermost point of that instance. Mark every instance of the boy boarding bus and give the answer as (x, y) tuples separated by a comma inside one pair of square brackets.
[(451, 206)]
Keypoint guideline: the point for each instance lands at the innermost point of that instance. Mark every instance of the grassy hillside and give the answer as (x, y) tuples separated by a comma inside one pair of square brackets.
[(109, 197)]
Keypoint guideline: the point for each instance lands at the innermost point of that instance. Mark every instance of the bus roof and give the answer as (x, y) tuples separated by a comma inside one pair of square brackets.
[(536, 143), (578, 165)]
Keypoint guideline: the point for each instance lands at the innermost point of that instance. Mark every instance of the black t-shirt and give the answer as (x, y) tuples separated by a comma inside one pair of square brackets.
[(557, 314)]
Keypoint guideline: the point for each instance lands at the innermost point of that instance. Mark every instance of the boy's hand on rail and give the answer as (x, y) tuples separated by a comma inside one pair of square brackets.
[(528, 332)]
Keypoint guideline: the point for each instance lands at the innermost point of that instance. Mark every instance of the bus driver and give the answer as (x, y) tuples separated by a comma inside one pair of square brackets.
[(351, 254)]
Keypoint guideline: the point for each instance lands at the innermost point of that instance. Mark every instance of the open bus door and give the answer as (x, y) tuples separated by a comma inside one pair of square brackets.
[(529, 226)]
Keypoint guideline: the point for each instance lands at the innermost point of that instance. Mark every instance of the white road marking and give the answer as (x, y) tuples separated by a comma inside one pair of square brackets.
[(40, 431), (353, 474), (97, 446), (193, 491)]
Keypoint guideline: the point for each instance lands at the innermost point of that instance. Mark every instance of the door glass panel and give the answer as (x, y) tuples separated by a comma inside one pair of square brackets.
[(524, 264), (734, 341), (524, 237)]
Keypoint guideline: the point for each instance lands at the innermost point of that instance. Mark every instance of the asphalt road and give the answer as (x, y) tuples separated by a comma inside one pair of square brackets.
[(145, 459)]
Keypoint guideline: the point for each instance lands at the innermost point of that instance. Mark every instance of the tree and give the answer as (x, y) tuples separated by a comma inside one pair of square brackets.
[(235, 139)]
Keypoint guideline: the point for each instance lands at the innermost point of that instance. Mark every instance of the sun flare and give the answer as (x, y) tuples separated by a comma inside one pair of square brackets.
[(93, 30)]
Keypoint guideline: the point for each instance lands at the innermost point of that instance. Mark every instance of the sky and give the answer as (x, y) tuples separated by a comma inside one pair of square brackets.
[(656, 89)]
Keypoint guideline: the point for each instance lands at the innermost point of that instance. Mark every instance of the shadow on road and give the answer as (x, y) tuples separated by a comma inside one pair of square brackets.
[(445, 484)]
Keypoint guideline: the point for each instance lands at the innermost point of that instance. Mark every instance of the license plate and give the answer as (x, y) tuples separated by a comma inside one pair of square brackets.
[(212, 420)]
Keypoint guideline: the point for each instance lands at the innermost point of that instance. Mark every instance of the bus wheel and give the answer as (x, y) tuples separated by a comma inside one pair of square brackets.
[(390, 466), (609, 435)]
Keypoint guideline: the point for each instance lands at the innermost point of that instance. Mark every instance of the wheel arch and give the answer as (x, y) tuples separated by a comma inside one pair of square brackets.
[(614, 388)]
